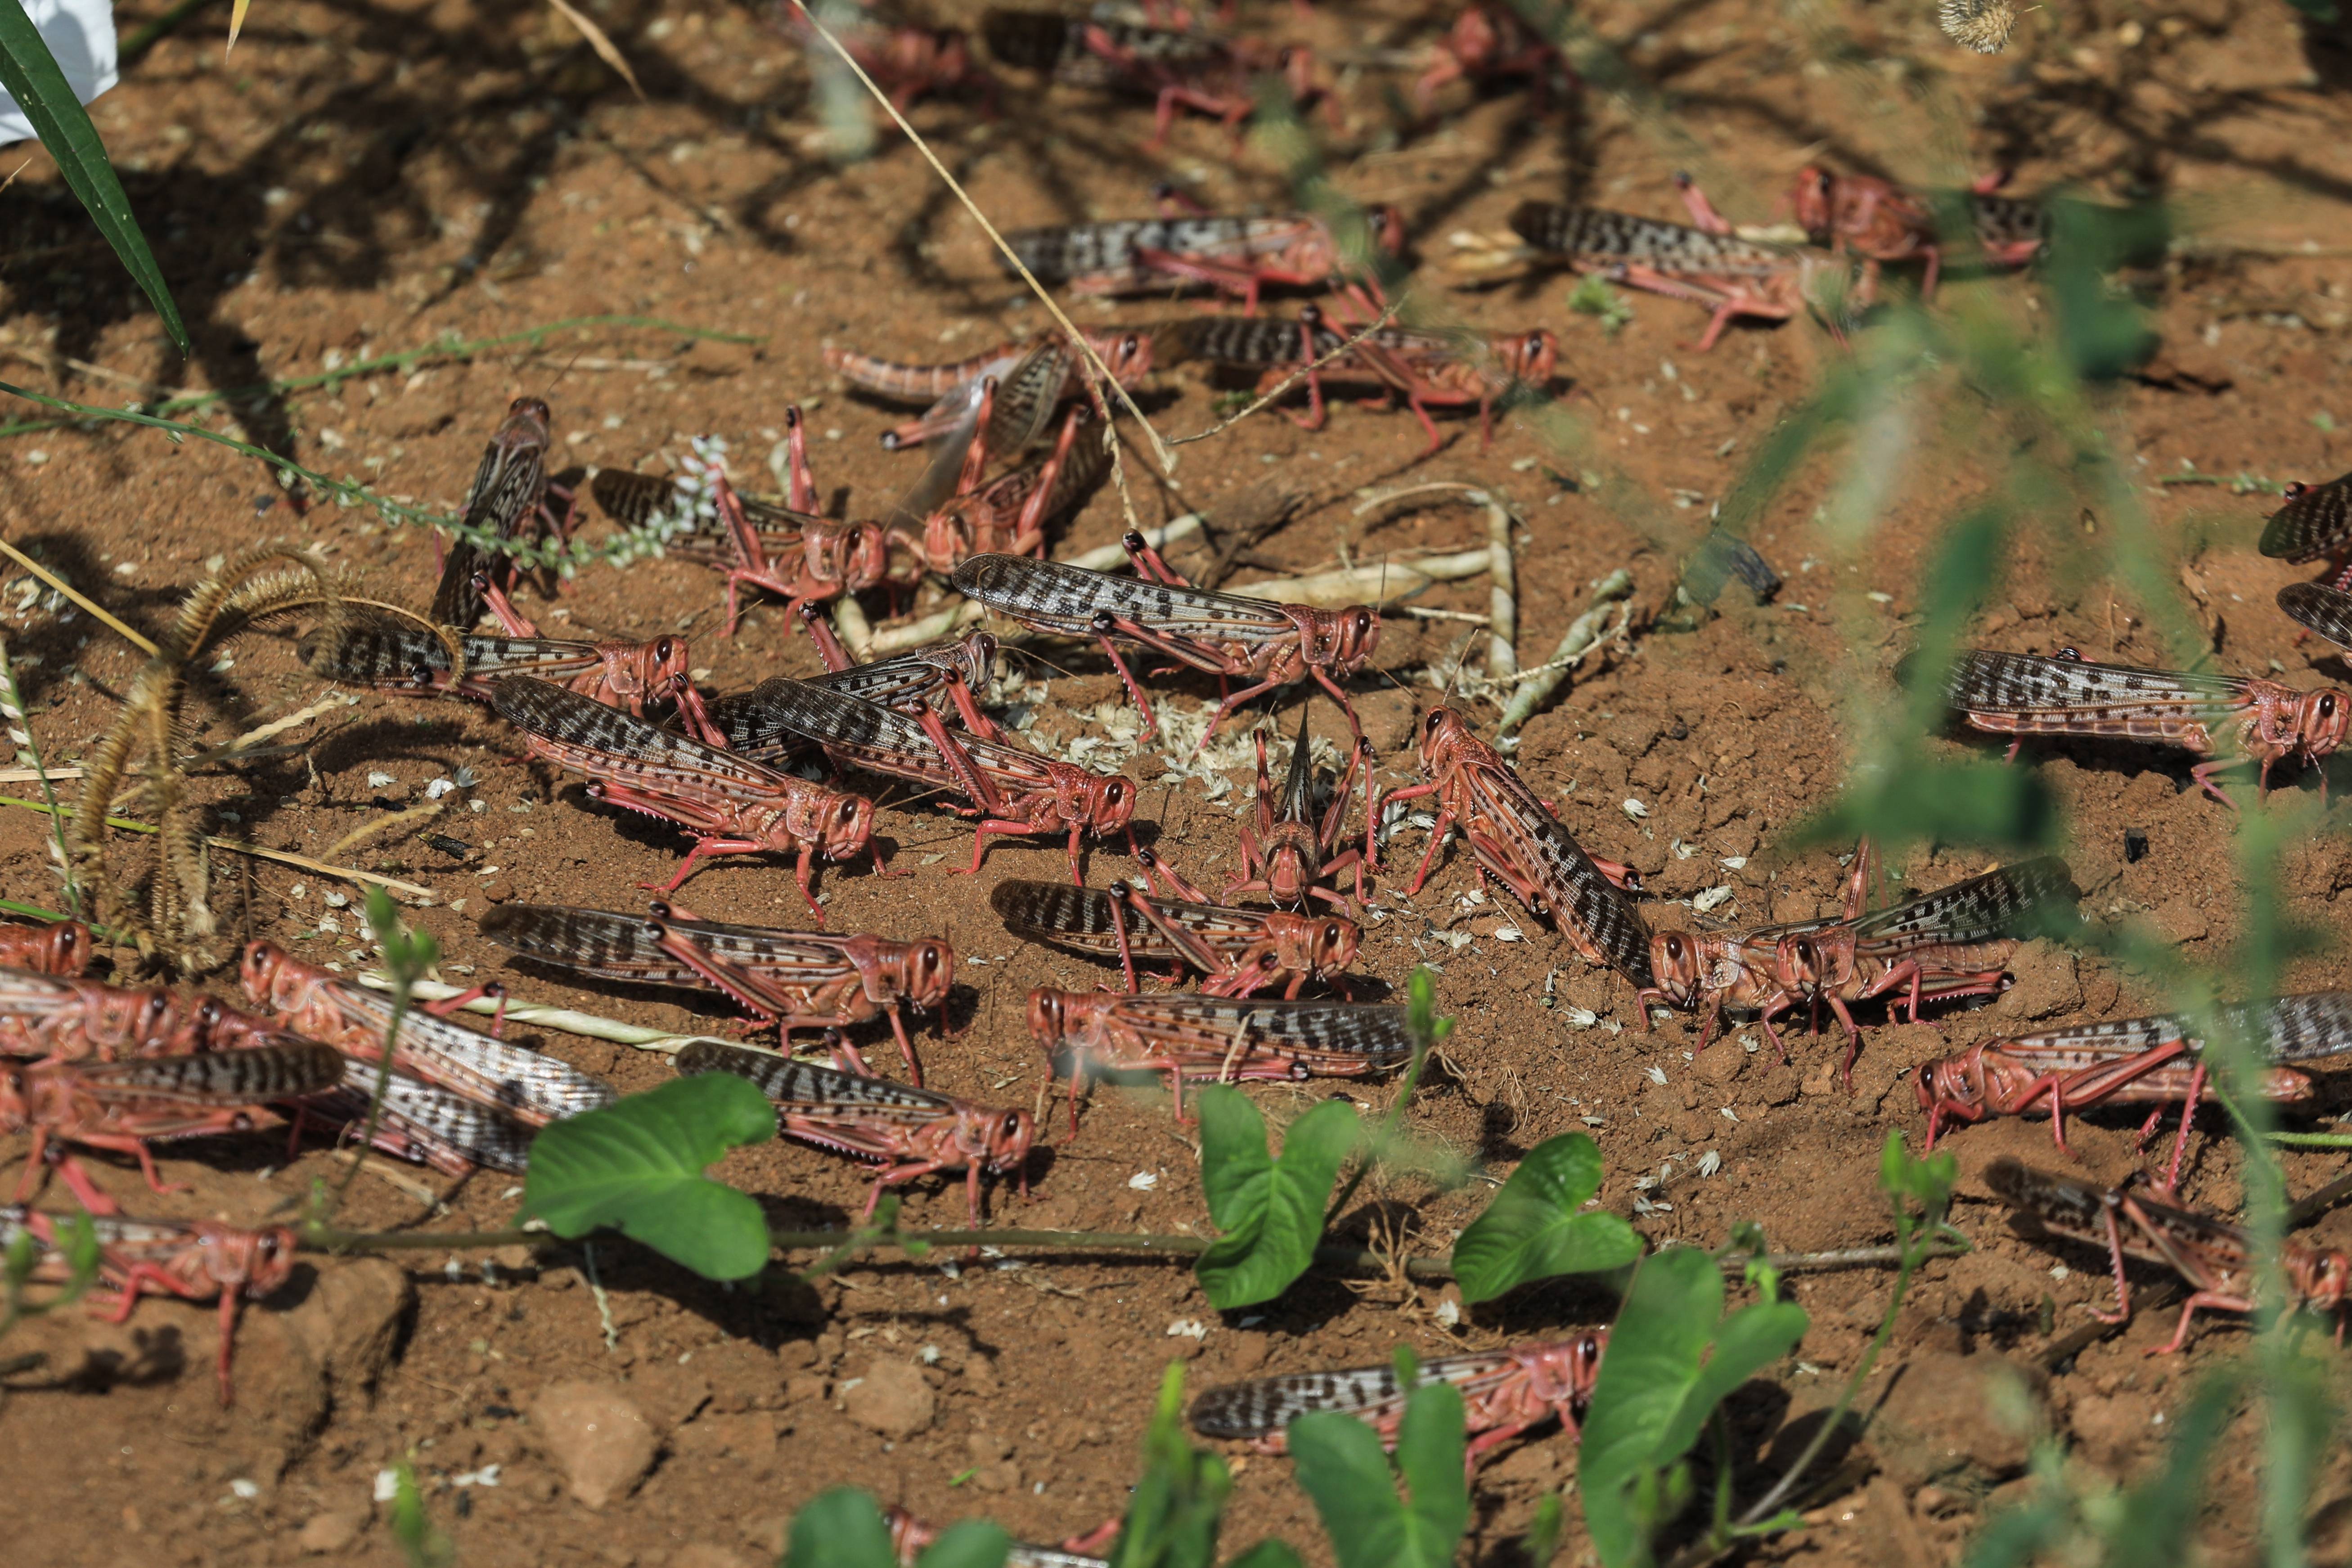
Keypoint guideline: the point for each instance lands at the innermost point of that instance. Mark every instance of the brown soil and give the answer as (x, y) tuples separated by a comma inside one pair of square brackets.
[(376, 177)]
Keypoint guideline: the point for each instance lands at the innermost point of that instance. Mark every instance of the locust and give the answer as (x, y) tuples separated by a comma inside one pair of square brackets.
[(1487, 44), (1012, 790), (398, 656), (1943, 945), (1219, 1039), (1035, 377), (906, 61), (910, 1536), (1504, 1393), (2266, 722), (532, 1087), (1241, 256), (1884, 222), (198, 1260), (802, 980), (2159, 1059), (60, 1019), (1241, 951), (2321, 607), (2215, 1258), (61, 948), (1228, 634), (1516, 840), (1718, 970), (121, 1107), (1427, 370), (731, 804), (945, 675), (1731, 275), (2315, 524), (788, 551), (1180, 68), (511, 494), (1008, 514), (1292, 850), (909, 1132)]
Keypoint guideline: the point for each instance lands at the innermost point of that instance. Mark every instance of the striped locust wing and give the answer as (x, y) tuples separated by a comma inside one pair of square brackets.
[(914, 675), (507, 487), (628, 947), (806, 1086), (1374, 1032), (2321, 607), (2316, 524), (1596, 234), (2010, 901), (290, 1068), (781, 714), (529, 1085), (592, 738), (2075, 694), (1081, 919), (2305, 1027), (425, 1123), (378, 651), (1055, 596), (1592, 912), (1265, 1406)]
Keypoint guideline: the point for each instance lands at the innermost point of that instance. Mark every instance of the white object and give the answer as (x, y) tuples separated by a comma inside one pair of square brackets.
[(80, 33)]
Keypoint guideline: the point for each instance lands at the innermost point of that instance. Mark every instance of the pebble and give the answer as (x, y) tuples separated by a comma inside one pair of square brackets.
[(331, 1531), (596, 1435), (891, 1398), (1939, 1421)]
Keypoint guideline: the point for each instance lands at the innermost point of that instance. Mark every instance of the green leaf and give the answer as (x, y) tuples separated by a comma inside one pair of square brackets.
[(1267, 1555), (419, 1542), (30, 74), (973, 1543), (838, 1529), (1340, 1463), (1269, 1211), (638, 1165), (1672, 1358), (1537, 1225), (1543, 1532), (1172, 1518)]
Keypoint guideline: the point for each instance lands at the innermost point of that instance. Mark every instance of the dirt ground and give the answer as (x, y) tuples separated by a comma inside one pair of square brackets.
[(364, 178)]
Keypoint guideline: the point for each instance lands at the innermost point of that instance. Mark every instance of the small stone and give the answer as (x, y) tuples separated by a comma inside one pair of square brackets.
[(891, 1398), (597, 1438), (703, 1555), (806, 1387), (354, 1319), (2179, 920), (1721, 1063), (331, 1531), (2047, 982), (498, 892), (2112, 1430)]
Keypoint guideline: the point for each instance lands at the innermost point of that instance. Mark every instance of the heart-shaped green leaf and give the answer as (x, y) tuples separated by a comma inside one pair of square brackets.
[(1537, 1225), (1268, 1211), (1341, 1467), (1672, 1356), (638, 1166)]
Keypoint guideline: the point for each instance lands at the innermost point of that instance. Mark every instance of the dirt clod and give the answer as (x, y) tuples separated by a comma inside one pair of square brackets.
[(891, 1397), (1929, 1429), (353, 1320), (597, 1438), (324, 1534)]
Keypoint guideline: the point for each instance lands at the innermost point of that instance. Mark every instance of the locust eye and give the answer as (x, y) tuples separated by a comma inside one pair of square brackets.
[(1437, 716), (848, 813), (2296, 490), (2327, 705), (1117, 792), (1361, 621), (1674, 947), (1331, 931), (663, 651)]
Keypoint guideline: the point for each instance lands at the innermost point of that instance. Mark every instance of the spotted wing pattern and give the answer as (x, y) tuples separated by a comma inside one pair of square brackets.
[(1984, 682), (1057, 597), (567, 719), (2314, 524), (791, 1083), (294, 1066), (2324, 608), (1266, 1406), (2002, 903), (1596, 234)]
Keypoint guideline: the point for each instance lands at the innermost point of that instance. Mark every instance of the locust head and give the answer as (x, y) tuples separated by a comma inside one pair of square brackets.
[(1956, 1088), (2319, 721), (272, 979), (848, 821), (254, 1262), (1530, 357), (1677, 961), (929, 972), (1110, 803), (1812, 200), (1008, 1137)]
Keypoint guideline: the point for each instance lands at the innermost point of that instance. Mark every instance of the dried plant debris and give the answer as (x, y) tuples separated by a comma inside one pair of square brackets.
[(173, 925), (1983, 26)]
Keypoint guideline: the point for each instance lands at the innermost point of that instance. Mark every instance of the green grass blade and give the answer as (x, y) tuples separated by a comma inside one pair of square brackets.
[(30, 74)]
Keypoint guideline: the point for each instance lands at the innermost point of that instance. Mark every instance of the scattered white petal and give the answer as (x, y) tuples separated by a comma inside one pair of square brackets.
[(1728, 1114), (245, 1489), (1657, 1074), (330, 925), (1714, 896), (1685, 851), (487, 1475), (1635, 809), (1733, 862), (467, 778), (438, 788), (379, 779), (1709, 1163), (338, 899), (1509, 933), (928, 1355), (1579, 1018), (1448, 1314), (1593, 1120), (2059, 1271), (387, 1485), (1144, 1180), (1188, 1328), (297, 889)]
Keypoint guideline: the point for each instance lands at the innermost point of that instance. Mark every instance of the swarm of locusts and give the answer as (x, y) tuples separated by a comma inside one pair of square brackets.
[(1259, 975)]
